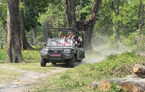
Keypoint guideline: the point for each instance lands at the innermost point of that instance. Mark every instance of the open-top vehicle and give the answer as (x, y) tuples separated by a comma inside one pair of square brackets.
[(57, 51)]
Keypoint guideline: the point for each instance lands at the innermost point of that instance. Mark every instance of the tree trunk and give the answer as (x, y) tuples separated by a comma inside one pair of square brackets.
[(24, 44), (13, 37), (35, 40), (117, 32), (88, 25), (70, 14), (139, 17), (117, 11), (46, 33), (88, 36)]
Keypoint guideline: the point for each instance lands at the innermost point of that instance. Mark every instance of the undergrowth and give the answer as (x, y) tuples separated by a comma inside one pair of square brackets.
[(77, 79), (30, 56)]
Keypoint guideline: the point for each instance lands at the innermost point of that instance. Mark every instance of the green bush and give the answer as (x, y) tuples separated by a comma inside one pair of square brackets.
[(77, 79), (2, 55), (28, 55)]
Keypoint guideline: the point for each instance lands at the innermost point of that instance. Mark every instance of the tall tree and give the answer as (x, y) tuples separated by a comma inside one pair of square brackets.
[(117, 11), (24, 44), (88, 24), (13, 37), (70, 14), (29, 18)]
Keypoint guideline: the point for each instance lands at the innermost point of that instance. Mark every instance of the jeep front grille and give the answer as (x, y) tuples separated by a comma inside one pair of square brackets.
[(55, 51)]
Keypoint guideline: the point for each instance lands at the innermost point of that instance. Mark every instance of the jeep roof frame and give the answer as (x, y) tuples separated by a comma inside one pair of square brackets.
[(66, 29)]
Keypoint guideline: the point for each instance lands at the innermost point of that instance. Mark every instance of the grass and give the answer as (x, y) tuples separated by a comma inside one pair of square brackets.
[(8, 75), (35, 67), (32, 57), (77, 79)]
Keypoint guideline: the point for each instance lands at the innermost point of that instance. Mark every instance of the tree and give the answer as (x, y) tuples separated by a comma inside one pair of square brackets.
[(88, 24), (141, 15), (29, 18), (13, 37), (117, 12), (70, 14)]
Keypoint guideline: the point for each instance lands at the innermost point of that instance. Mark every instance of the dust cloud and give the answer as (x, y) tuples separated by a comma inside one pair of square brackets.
[(102, 51)]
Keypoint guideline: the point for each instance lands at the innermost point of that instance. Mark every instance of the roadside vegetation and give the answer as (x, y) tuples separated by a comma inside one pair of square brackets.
[(77, 79), (32, 59)]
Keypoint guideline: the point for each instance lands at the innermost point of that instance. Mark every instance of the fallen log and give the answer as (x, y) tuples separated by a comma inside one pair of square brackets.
[(139, 70), (132, 83), (93, 85), (126, 84)]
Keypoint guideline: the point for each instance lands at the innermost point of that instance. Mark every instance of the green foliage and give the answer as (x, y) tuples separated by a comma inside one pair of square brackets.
[(112, 56), (131, 40), (30, 56), (21, 6), (115, 88), (32, 13), (78, 78), (2, 55)]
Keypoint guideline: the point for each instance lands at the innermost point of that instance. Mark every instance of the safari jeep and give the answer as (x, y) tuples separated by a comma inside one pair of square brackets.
[(56, 52)]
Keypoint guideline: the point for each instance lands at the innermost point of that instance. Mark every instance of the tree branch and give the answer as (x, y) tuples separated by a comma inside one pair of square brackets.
[(113, 8), (139, 9), (94, 12)]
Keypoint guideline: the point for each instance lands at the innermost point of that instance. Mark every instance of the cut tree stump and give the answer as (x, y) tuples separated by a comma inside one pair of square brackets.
[(132, 83), (139, 70), (129, 84)]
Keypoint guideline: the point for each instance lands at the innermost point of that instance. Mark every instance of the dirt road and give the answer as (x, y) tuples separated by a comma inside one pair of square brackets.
[(27, 79)]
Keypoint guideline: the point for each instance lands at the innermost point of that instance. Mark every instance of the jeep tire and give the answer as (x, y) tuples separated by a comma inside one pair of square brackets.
[(72, 62), (43, 62), (53, 63)]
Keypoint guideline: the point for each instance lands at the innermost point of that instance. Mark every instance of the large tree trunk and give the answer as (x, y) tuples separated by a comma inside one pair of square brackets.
[(13, 38), (88, 25), (70, 14), (88, 35), (35, 40), (24, 44)]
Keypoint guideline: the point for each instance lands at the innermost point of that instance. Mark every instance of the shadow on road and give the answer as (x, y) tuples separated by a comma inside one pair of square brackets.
[(63, 65)]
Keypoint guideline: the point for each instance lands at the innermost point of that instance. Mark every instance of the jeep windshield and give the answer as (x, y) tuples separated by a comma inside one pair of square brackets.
[(60, 42)]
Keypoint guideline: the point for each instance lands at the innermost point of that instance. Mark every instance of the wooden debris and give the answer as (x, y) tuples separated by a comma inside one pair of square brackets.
[(139, 70), (93, 85), (132, 83)]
